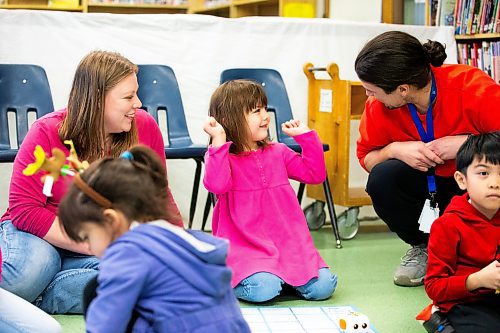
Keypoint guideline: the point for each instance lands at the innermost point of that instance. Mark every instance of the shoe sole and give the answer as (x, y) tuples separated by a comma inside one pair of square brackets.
[(406, 282)]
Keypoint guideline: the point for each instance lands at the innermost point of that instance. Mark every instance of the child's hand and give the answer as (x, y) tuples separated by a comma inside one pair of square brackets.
[(294, 127), (216, 132), (488, 277)]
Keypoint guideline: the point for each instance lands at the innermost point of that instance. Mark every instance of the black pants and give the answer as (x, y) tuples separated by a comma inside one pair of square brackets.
[(477, 317), (398, 194)]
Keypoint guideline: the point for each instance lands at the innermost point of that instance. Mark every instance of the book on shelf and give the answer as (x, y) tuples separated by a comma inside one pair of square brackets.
[(475, 16), (414, 12), (445, 14), (484, 55)]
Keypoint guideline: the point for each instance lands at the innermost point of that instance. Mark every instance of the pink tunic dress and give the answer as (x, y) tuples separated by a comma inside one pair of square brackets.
[(258, 212)]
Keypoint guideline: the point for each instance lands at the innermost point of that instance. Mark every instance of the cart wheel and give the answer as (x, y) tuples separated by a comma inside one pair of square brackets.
[(315, 215), (348, 223)]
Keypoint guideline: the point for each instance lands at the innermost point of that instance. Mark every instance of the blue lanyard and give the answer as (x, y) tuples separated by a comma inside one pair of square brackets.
[(429, 135)]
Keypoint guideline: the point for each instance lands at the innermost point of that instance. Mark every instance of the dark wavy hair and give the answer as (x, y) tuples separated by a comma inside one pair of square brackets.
[(137, 188), (394, 58)]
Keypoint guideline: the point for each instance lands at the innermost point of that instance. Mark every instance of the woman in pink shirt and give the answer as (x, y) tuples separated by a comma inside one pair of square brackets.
[(41, 264), (257, 209)]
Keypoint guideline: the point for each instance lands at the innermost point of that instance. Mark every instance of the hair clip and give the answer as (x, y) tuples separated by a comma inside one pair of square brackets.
[(127, 155)]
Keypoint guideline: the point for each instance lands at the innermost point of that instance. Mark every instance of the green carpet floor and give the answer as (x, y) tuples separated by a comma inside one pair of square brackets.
[(365, 267)]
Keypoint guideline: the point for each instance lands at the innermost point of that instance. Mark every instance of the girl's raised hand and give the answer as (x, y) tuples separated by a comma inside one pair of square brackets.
[(294, 127), (216, 131)]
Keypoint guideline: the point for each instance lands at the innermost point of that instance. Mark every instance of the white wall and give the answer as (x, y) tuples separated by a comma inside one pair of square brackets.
[(198, 48), (356, 10)]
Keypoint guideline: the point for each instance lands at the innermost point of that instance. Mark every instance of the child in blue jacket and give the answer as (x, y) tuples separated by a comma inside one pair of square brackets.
[(154, 276)]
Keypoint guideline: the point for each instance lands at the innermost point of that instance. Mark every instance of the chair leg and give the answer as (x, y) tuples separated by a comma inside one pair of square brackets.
[(331, 211), (194, 194), (210, 202), (300, 192)]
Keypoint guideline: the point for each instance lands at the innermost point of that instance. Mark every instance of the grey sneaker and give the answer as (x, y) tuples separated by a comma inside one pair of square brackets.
[(411, 271)]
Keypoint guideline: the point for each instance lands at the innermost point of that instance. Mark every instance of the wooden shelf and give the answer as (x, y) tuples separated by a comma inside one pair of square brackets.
[(43, 7), (136, 6), (117, 8), (217, 10), (97, 7), (242, 8), (250, 2), (232, 8), (478, 36)]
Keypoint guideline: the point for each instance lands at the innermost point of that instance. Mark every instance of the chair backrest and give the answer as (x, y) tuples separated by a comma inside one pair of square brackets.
[(23, 89), (159, 90), (274, 87)]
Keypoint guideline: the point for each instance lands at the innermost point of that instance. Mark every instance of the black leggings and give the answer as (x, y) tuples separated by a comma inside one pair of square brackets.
[(398, 193), (476, 317)]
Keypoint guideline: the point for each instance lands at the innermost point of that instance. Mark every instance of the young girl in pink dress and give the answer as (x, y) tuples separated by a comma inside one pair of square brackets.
[(257, 209)]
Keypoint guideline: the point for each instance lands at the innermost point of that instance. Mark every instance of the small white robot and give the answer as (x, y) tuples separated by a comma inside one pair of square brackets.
[(354, 322)]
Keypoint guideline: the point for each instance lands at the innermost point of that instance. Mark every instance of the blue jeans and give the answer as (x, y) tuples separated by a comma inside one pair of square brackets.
[(263, 286), (51, 278), (19, 316)]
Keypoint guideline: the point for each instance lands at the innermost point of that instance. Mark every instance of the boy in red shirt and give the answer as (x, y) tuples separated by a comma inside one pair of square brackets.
[(463, 270)]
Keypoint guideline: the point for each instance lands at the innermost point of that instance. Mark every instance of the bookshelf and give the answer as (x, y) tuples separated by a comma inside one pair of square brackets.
[(242, 8), (137, 7), (101, 6), (71, 6), (477, 28), (223, 8), (392, 10), (476, 24)]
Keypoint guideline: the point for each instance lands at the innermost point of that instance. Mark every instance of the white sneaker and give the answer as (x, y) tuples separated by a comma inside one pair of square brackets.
[(411, 271)]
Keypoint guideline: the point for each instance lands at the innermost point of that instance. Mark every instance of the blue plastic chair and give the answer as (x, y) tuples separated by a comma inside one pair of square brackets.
[(23, 89), (279, 104), (159, 90)]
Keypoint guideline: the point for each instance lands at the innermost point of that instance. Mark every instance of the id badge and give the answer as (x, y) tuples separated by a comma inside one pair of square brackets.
[(428, 215)]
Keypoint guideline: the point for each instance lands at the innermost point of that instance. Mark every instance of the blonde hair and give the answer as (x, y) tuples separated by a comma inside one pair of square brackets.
[(229, 104), (97, 73)]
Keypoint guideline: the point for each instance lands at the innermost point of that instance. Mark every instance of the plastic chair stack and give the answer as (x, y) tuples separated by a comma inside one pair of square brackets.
[(24, 89)]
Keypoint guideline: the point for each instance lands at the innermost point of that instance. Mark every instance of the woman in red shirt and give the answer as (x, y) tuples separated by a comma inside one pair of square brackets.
[(418, 113)]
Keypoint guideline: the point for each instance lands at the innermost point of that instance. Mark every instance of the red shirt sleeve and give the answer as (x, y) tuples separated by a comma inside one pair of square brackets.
[(441, 282)]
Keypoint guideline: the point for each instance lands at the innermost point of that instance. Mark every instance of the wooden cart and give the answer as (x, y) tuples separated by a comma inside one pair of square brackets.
[(332, 104)]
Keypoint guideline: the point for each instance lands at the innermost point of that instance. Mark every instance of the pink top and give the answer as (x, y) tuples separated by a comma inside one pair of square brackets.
[(258, 212), (29, 209)]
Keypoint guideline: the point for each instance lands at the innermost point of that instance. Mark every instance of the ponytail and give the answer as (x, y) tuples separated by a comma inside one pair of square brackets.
[(395, 58), (135, 184), (435, 52)]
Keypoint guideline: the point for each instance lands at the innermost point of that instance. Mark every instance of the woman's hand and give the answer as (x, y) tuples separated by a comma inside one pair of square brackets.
[(294, 127), (216, 132), (416, 154), (446, 147), (58, 237)]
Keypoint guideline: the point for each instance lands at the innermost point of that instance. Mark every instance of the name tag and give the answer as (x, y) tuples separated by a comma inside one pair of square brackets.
[(428, 215)]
